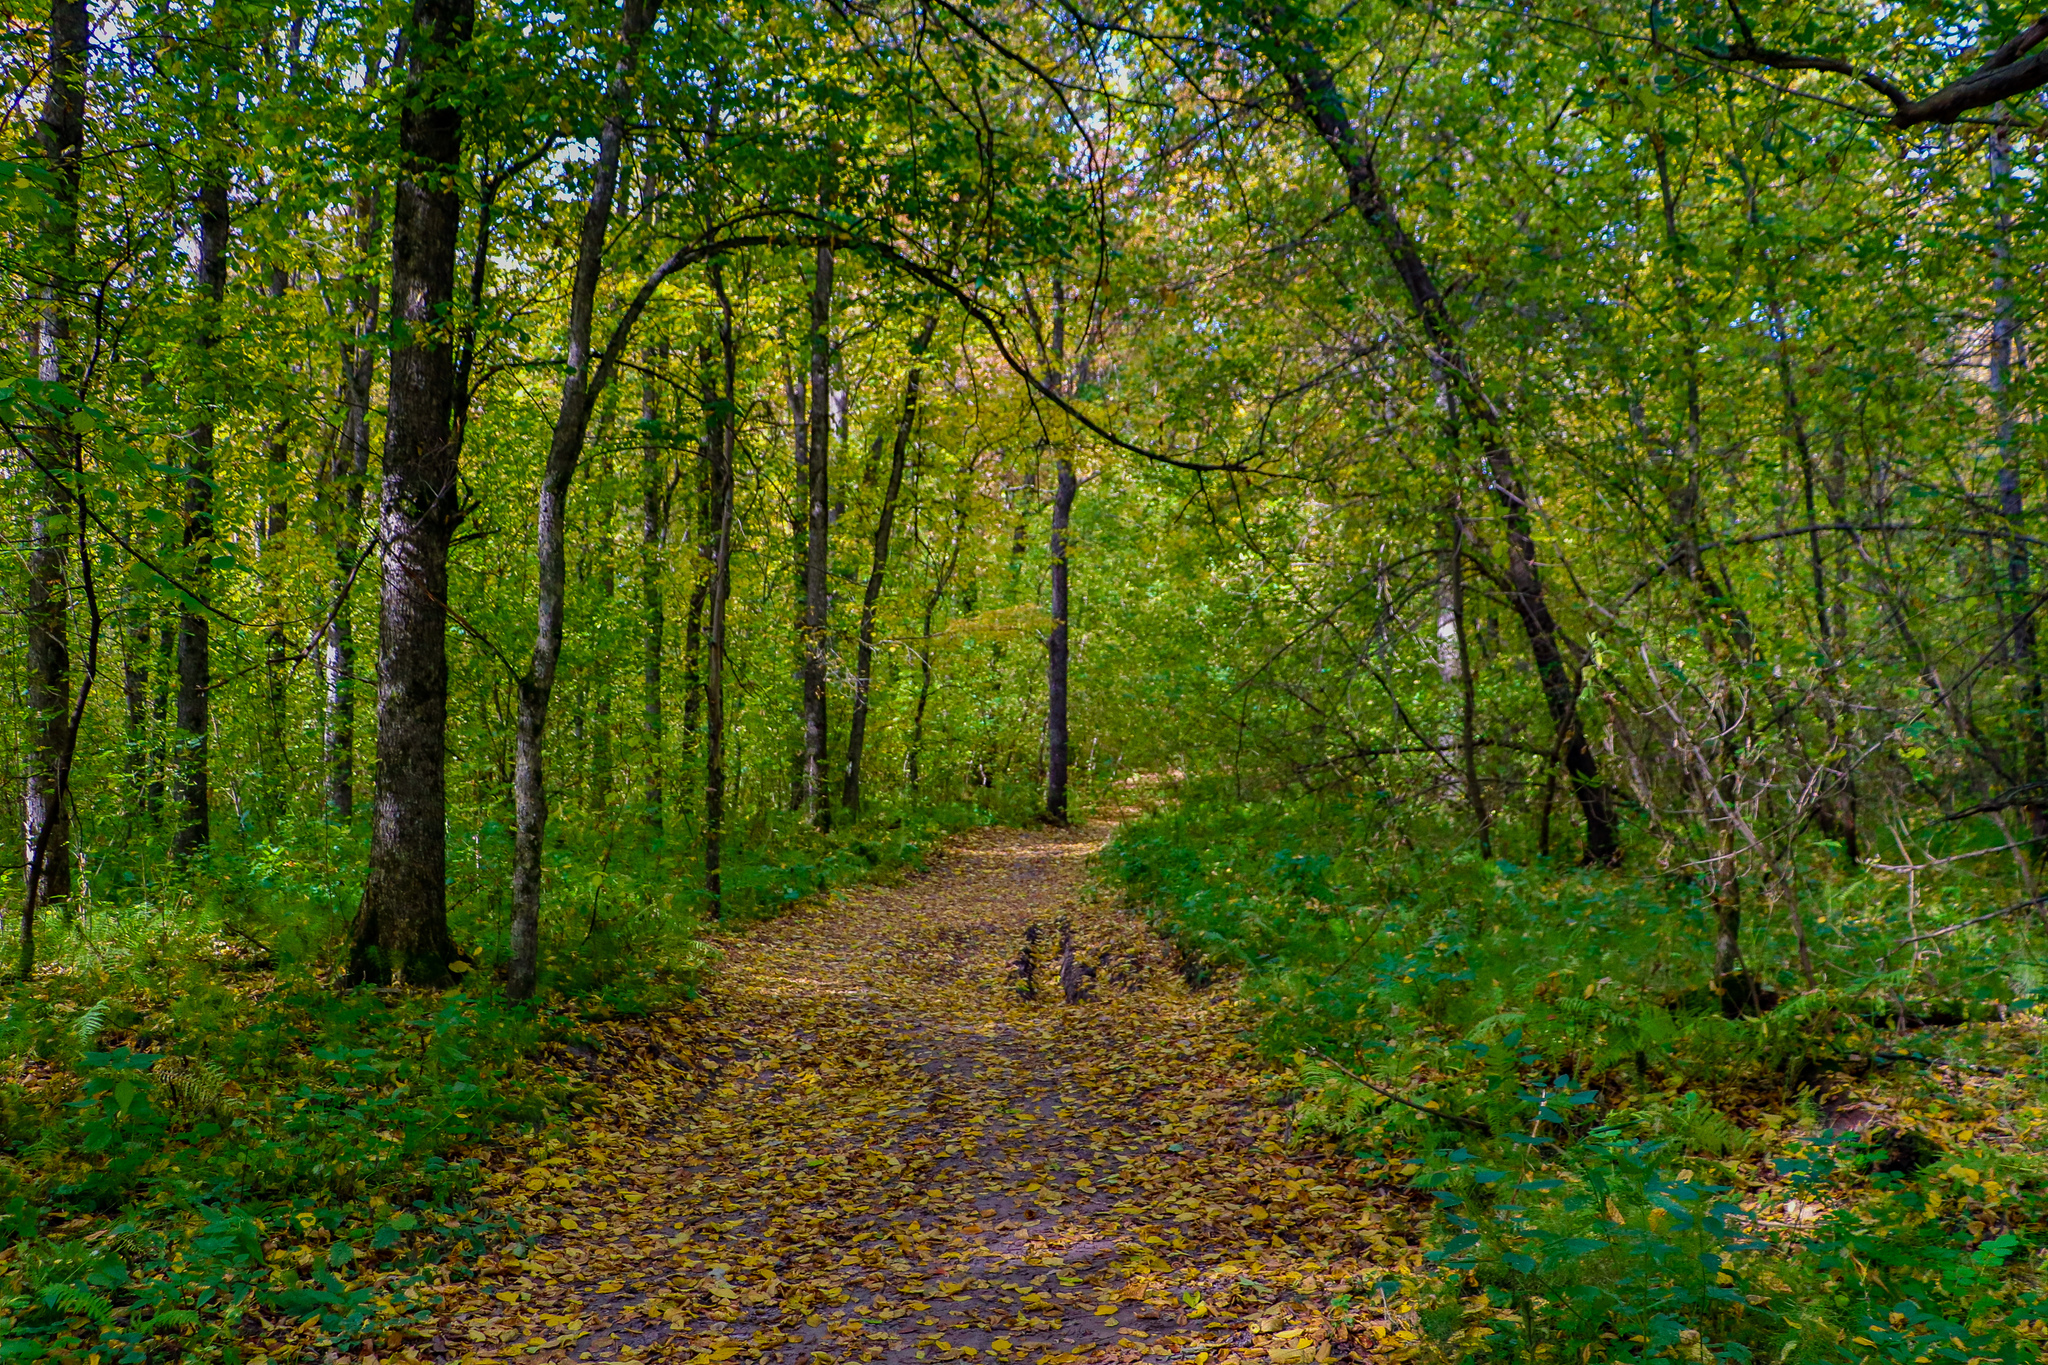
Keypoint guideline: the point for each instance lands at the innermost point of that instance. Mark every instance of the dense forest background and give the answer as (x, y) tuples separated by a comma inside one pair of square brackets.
[(493, 491)]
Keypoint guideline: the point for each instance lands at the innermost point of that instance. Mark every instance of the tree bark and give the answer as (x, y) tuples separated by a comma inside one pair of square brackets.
[(271, 525), (818, 549), (135, 648), (1468, 701), (1314, 90), (913, 761), (401, 930), (714, 633), (1056, 647), (885, 521), (2023, 638), (653, 532), (703, 539), (796, 391), (60, 146), (580, 390), (190, 776), (342, 491), (600, 662)]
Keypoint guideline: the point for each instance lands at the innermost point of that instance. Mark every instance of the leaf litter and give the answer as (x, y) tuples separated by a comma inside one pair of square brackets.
[(864, 1143)]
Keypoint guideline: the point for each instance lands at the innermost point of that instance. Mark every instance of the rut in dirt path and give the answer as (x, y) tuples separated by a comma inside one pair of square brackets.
[(867, 1146)]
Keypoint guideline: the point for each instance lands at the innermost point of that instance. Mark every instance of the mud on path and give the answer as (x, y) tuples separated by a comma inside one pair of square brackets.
[(865, 1145)]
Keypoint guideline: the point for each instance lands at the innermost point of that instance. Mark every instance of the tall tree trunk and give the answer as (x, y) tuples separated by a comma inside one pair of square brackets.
[(580, 390), (135, 648), (160, 708), (272, 524), (1314, 90), (797, 391), (600, 661), (401, 931), (863, 670), (1468, 707), (195, 680), (2032, 769), (342, 490), (1056, 738), (720, 589), (60, 147), (818, 550), (1725, 626), (913, 761), (191, 784), (653, 532), (703, 538)]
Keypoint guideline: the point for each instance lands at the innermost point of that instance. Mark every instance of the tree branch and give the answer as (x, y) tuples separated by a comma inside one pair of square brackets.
[(2007, 72)]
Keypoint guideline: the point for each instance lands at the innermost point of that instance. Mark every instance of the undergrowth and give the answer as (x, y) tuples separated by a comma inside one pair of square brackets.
[(1621, 1168), (204, 1142)]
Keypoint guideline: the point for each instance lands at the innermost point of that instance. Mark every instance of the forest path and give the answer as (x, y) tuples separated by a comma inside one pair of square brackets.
[(865, 1145)]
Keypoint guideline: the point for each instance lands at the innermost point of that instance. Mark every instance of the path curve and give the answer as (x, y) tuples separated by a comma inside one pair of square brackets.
[(865, 1145)]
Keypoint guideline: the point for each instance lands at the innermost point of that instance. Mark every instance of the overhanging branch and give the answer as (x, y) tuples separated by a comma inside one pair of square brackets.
[(2009, 71)]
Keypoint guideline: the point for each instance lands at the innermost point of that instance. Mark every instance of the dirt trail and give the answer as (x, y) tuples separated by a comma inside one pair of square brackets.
[(866, 1146)]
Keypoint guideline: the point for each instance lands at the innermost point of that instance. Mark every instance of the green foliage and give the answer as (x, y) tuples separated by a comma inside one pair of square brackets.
[(1572, 1094), (210, 1130)]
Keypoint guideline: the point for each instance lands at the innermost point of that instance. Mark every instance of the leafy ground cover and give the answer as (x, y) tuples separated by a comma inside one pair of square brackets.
[(1620, 1168), (863, 1142), (208, 1152)]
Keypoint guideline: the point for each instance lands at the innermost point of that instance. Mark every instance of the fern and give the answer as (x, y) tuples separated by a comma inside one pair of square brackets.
[(191, 1086), (1496, 1026), (47, 1144), (170, 1317), (91, 1021), (78, 1301)]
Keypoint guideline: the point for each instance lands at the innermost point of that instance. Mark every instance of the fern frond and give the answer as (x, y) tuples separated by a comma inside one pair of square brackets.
[(171, 1317), (79, 1302), (1495, 1026), (191, 1085), (91, 1021)]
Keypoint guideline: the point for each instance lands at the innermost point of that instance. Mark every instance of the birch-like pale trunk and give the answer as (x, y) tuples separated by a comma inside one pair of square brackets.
[(885, 521), (565, 449), (60, 146), (190, 784), (818, 550), (342, 491)]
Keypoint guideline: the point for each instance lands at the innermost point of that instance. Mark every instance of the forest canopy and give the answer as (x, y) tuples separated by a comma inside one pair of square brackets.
[(496, 493)]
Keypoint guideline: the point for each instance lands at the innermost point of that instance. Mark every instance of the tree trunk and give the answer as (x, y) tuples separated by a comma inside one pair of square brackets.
[(1056, 648), (271, 526), (863, 671), (797, 390), (135, 647), (1468, 707), (160, 708), (714, 632), (189, 784), (1727, 914), (565, 448), (818, 550), (703, 539), (1314, 90), (653, 531), (401, 931), (2032, 767), (60, 147), (342, 490), (600, 662)]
